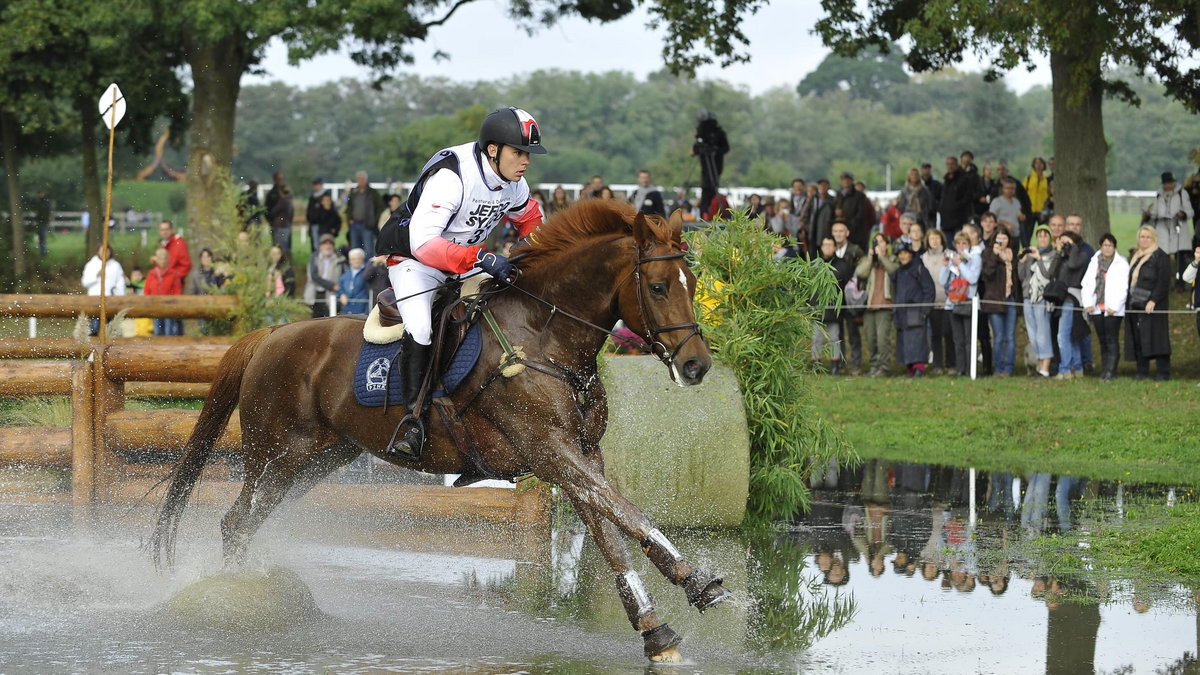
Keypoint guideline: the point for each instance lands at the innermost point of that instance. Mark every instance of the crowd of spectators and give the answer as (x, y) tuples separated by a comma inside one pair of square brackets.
[(910, 270), (911, 273)]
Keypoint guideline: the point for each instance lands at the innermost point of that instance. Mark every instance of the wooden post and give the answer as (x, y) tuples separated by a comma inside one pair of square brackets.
[(83, 457), (108, 396)]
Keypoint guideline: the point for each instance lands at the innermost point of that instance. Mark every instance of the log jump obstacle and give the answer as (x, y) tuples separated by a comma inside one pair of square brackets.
[(107, 446)]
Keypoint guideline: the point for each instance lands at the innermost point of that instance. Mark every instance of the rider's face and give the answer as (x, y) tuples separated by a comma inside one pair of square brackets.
[(513, 162)]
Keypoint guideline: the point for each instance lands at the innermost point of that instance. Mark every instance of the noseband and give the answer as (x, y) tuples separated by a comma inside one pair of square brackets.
[(657, 348)]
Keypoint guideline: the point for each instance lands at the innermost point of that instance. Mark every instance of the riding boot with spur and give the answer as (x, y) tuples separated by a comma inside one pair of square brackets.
[(409, 438)]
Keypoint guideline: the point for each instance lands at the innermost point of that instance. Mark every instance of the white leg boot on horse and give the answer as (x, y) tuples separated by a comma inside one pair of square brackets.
[(659, 642)]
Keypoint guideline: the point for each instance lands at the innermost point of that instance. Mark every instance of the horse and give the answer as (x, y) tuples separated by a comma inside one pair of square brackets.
[(580, 272)]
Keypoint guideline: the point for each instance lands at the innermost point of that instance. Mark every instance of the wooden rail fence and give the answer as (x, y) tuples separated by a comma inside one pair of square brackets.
[(105, 445)]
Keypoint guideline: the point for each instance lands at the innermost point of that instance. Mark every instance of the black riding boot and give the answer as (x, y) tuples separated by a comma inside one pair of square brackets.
[(409, 438)]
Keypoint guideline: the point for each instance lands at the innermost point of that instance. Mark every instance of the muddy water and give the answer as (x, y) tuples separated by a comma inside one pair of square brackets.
[(896, 567)]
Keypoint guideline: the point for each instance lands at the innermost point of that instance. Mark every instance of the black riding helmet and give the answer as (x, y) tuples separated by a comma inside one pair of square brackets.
[(511, 126)]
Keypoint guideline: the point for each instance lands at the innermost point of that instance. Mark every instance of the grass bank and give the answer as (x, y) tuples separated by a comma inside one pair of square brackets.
[(1135, 431)]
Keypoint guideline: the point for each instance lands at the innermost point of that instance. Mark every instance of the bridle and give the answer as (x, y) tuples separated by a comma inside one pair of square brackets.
[(656, 346)]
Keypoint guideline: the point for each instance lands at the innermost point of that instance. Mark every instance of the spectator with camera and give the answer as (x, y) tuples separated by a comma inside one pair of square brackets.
[(830, 329), (1103, 295), (876, 269), (960, 279), (1036, 271), (1000, 296), (1072, 329), (913, 286), (1147, 334)]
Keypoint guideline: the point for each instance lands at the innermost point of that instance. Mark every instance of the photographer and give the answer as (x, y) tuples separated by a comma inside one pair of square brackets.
[(1001, 293), (711, 146), (1035, 271), (960, 279), (1169, 216), (876, 270), (1072, 328)]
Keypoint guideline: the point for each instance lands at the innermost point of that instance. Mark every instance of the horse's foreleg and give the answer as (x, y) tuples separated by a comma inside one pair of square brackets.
[(585, 484), (659, 642)]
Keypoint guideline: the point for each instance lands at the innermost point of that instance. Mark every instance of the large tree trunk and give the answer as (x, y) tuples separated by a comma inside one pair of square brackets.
[(1080, 179), (91, 176), (216, 76), (12, 168)]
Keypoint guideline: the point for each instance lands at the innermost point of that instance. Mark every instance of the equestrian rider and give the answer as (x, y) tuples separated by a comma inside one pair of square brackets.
[(462, 194)]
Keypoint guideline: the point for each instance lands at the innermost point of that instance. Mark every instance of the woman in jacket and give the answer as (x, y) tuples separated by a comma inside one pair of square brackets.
[(916, 199), (913, 286), (1147, 335), (934, 259), (1037, 186), (1001, 295), (960, 279), (1036, 265), (830, 330), (1071, 327), (1104, 292), (876, 269)]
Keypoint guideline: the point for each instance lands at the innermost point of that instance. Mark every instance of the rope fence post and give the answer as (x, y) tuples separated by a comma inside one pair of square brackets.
[(974, 336)]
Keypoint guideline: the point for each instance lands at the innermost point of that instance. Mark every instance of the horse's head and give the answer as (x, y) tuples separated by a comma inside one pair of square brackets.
[(657, 305)]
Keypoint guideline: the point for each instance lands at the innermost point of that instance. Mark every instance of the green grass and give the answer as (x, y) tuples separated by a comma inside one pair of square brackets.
[(1123, 430)]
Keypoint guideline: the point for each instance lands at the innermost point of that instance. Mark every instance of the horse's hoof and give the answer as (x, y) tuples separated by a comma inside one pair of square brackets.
[(704, 590), (668, 655), (660, 642)]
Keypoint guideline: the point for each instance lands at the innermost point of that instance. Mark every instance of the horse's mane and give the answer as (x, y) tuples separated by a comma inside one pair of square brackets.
[(583, 224)]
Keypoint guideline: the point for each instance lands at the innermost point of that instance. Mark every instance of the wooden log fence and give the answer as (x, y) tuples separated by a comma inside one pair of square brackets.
[(104, 434), (155, 306)]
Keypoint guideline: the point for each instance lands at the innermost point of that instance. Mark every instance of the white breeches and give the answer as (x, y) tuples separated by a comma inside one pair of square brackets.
[(409, 277)]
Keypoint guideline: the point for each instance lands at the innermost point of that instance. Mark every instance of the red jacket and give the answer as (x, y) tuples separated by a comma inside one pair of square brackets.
[(181, 261), (891, 222), (163, 282)]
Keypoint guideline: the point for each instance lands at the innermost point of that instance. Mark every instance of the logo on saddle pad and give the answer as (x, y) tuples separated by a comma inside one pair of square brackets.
[(377, 374)]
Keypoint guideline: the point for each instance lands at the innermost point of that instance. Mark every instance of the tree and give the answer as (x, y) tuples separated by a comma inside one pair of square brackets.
[(1083, 40), (223, 39), (870, 74)]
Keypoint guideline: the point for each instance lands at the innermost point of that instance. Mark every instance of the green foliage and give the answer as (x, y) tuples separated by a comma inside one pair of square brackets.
[(405, 151), (869, 75), (791, 611), (759, 322), (242, 249), (37, 412)]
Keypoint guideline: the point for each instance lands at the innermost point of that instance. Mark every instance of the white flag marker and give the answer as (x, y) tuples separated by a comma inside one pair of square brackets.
[(112, 105)]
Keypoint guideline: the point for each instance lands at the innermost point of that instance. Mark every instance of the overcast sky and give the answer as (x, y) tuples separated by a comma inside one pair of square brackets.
[(480, 35)]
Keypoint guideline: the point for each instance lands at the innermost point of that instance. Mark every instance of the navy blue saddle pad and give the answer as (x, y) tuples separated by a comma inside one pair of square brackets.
[(377, 375)]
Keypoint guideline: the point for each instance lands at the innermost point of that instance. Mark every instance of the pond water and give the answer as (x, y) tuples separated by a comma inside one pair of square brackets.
[(896, 567)]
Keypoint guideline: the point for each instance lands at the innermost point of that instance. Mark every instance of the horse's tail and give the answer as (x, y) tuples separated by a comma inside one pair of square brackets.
[(222, 399)]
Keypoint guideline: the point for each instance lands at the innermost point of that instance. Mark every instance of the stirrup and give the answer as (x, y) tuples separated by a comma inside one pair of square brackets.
[(414, 435)]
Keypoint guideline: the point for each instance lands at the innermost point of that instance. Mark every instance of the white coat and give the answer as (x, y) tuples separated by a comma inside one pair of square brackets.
[(1116, 285)]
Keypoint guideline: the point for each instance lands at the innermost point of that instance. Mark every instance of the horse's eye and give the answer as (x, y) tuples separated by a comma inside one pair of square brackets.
[(658, 289)]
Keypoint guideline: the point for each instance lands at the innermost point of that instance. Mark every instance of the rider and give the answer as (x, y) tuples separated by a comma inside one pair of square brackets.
[(462, 194)]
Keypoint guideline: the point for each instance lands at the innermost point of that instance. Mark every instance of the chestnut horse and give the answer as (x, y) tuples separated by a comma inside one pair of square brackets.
[(582, 271)]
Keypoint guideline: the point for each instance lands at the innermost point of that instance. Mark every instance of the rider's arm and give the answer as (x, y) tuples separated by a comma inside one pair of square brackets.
[(526, 217), (440, 200)]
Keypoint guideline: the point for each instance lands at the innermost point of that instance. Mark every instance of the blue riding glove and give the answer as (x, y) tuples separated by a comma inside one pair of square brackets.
[(496, 265)]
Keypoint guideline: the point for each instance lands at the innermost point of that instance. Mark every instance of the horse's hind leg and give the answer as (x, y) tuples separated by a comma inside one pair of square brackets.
[(269, 478), (659, 642)]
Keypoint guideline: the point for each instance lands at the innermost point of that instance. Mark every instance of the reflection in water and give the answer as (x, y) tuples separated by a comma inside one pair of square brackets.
[(924, 568), (958, 531)]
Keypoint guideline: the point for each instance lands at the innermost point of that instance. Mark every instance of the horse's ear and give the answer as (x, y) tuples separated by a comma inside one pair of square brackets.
[(675, 225), (643, 232)]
